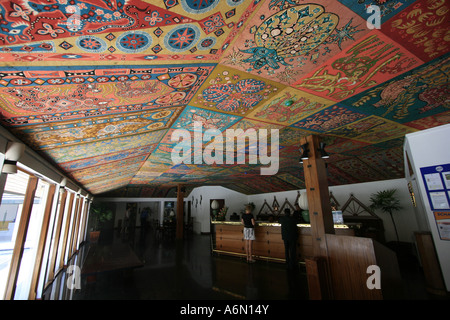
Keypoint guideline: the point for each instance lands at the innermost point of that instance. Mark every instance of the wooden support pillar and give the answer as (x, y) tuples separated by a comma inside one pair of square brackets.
[(180, 211), (320, 215), (316, 272)]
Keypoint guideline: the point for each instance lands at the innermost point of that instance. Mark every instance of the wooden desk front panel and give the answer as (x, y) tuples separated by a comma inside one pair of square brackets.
[(268, 242), (230, 238)]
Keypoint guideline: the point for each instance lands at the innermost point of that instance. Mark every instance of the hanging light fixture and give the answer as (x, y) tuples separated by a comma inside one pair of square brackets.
[(62, 184), (323, 153), (215, 205), (305, 152), (14, 151), (303, 204), (303, 201)]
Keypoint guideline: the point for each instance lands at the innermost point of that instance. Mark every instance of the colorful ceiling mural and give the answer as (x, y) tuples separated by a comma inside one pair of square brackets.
[(109, 91)]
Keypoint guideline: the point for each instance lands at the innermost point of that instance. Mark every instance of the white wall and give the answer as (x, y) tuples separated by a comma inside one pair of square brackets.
[(429, 148), (235, 202), (405, 219)]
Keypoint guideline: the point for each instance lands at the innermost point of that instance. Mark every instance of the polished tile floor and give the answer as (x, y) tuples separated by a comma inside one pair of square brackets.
[(187, 270)]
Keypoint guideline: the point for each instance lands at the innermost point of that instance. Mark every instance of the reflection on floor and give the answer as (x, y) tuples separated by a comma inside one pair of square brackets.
[(165, 269), (187, 270)]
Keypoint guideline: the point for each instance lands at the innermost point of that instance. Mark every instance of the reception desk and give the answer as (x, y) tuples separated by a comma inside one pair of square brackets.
[(228, 238)]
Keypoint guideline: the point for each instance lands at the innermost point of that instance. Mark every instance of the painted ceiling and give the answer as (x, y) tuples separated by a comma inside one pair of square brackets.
[(99, 87)]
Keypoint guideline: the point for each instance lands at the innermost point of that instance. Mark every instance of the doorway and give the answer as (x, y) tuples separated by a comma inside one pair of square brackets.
[(221, 205)]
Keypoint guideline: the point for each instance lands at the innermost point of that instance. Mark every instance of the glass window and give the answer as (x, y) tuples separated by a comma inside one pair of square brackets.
[(10, 212), (64, 232), (32, 241), (50, 242), (36, 233)]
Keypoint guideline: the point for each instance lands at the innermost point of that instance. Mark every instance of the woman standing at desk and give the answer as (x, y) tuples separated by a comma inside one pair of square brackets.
[(249, 233)]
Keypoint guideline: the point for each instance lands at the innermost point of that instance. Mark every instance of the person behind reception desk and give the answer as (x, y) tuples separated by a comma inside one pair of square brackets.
[(249, 233), (289, 234), (234, 217), (298, 214)]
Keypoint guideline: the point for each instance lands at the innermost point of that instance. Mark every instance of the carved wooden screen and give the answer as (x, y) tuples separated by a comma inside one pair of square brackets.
[(354, 207), (366, 222)]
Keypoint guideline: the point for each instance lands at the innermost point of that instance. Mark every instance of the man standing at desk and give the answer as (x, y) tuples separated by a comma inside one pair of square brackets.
[(289, 234)]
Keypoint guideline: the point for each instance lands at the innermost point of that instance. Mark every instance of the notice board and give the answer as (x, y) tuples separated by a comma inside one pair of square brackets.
[(437, 185)]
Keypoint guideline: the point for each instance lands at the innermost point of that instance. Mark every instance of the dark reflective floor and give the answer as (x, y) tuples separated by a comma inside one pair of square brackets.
[(187, 270)]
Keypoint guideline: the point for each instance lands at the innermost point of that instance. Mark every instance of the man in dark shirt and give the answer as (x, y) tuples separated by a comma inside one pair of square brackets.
[(289, 234)]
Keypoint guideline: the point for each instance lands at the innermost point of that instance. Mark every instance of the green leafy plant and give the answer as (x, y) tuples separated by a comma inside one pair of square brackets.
[(101, 214), (387, 202), (222, 214)]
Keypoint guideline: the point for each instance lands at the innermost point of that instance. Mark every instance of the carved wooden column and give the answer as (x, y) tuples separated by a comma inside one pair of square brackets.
[(321, 217), (180, 210)]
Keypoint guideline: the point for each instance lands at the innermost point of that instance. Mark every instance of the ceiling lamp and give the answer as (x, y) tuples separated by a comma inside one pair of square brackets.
[(62, 184), (215, 205), (14, 150), (323, 153), (303, 201), (304, 150)]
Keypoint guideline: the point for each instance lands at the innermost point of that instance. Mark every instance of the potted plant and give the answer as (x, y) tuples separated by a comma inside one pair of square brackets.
[(222, 214), (101, 217), (387, 202)]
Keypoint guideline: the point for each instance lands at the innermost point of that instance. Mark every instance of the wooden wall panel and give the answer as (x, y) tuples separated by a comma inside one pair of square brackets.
[(348, 262), (431, 268)]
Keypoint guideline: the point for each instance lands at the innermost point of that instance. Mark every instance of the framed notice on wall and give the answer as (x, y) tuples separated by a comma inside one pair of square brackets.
[(437, 184), (443, 224)]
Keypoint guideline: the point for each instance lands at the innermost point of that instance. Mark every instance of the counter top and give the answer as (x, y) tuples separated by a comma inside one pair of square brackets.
[(273, 224)]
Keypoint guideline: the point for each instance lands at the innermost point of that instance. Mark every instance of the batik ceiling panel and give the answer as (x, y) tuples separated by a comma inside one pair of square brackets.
[(284, 44), (48, 94), (289, 106), (387, 8), (416, 94), (99, 88), (372, 129), (105, 158), (422, 28), (92, 149), (118, 31), (106, 171), (49, 136), (374, 59)]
